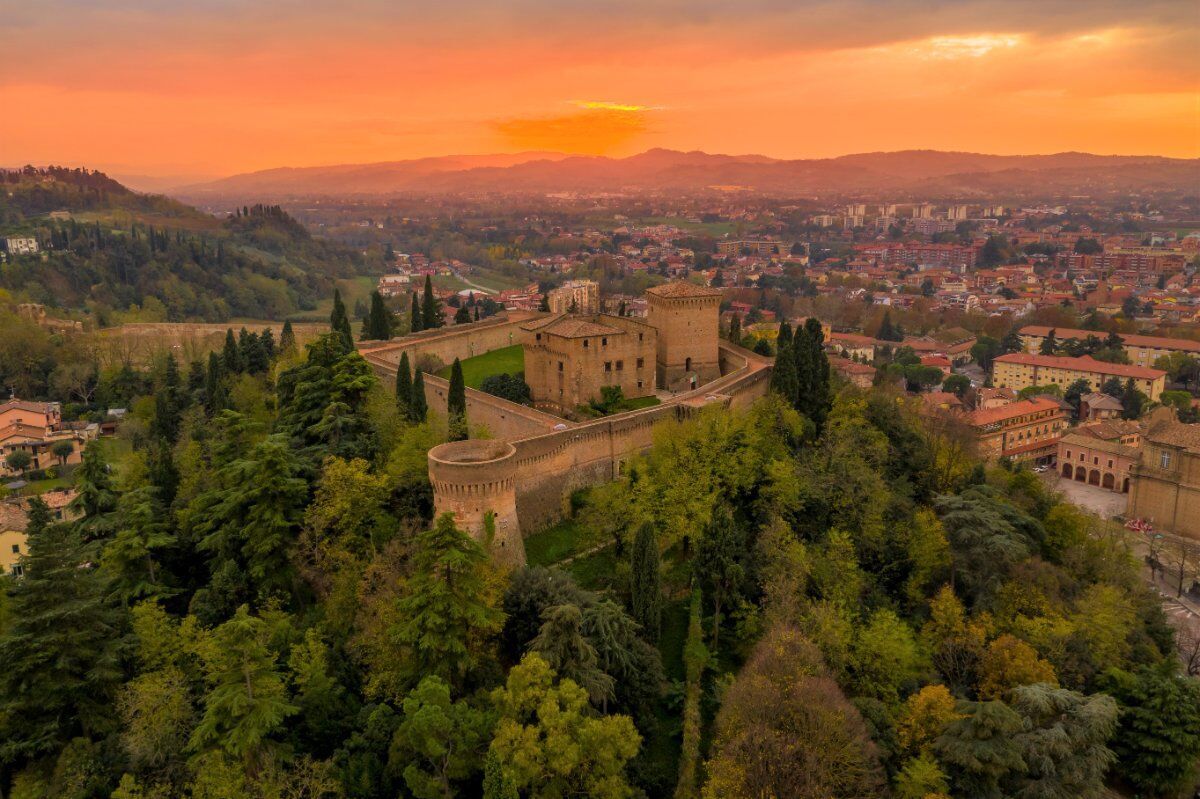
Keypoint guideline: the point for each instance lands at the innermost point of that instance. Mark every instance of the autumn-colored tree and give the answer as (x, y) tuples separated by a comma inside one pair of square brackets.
[(1008, 662)]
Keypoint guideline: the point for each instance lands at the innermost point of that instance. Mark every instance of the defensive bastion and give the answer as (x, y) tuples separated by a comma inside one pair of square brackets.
[(504, 488)]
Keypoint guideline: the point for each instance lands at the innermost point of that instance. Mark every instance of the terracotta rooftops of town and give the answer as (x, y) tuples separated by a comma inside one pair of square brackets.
[(850, 367), (1013, 410), (1102, 401), (681, 289), (1112, 446), (26, 405), (1130, 339), (12, 517), (1085, 363), (1109, 429), (1175, 433), (59, 498)]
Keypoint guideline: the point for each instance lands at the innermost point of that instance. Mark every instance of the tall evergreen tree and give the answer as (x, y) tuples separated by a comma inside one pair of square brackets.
[(287, 339), (339, 321), (804, 367), (735, 329), (456, 403), (447, 608), (247, 701), (61, 650), (378, 324), (215, 398), (562, 644), (462, 316), (95, 499), (404, 386), (1049, 344), (267, 341), (783, 375), (815, 397), (418, 405), (431, 312), (415, 323), (646, 587), (231, 357)]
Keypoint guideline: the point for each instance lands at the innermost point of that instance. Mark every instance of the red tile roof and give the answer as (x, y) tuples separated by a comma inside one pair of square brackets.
[(1012, 410), (680, 289), (1084, 364), (1130, 339)]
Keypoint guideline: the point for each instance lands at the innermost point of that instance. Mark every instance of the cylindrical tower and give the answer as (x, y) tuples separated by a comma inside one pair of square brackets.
[(475, 480)]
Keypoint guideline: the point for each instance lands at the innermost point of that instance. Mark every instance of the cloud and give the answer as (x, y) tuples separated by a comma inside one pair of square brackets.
[(599, 128)]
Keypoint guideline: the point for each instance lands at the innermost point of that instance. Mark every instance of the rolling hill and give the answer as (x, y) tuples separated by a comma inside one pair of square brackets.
[(926, 172)]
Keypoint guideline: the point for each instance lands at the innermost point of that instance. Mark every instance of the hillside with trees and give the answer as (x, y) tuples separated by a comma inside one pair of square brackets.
[(823, 595), (106, 250)]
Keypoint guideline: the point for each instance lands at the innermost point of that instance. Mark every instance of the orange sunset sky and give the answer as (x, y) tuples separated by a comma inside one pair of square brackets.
[(213, 87)]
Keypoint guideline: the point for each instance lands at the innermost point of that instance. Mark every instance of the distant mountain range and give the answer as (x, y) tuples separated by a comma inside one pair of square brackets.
[(925, 172)]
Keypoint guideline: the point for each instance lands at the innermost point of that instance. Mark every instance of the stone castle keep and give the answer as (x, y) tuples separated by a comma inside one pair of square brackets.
[(503, 488)]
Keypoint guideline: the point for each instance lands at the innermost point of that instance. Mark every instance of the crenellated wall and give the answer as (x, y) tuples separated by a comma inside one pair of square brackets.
[(448, 343)]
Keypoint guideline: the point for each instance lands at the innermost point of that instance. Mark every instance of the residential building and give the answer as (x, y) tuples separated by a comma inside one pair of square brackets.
[(13, 544), (21, 245), (1097, 407), (1143, 350), (575, 296), (1020, 370), (1026, 430), (858, 374)]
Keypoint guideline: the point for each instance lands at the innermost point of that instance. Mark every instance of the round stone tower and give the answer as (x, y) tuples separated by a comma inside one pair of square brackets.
[(475, 480)]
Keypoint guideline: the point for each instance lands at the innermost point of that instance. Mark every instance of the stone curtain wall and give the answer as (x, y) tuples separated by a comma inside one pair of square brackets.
[(448, 343)]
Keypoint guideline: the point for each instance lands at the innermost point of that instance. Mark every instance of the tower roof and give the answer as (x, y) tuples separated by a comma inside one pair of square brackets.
[(681, 289)]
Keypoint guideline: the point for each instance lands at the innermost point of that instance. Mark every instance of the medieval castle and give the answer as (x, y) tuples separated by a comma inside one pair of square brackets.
[(520, 481)]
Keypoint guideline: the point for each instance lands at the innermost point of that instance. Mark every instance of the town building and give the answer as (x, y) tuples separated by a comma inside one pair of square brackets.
[(1026, 430), (1142, 350), (1097, 407), (857, 374), (1165, 487), (21, 245), (686, 318), (1018, 370), (575, 296), (36, 428), (13, 543), (766, 248), (1101, 454), (572, 357)]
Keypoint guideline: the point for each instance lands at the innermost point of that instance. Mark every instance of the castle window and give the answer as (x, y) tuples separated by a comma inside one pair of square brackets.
[(639, 384), (639, 336), (608, 366), (585, 343), (560, 366), (539, 336), (620, 366), (641, 362), (604, 342)]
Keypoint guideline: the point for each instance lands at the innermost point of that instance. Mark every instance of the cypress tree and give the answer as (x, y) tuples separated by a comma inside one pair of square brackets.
[(404, 387), (287, 339), (431, 314), (214, 387), (456, 403), (783, 376), (339, 321), (266, 340), (818, 400), (231, 357), (415, 323), (418, 405), (646, 599), (735, 329), (544, 305), (378, 324), (462, 316), (802, 358)]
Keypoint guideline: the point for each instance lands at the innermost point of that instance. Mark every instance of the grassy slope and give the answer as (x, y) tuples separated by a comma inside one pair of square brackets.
[(506, 360)]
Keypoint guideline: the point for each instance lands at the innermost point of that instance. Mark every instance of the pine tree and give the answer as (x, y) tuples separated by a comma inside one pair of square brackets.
[(462, 316), (404, 387), (418, 405), (562, 644), (61, 650), (416, 325), (130, 559), (287, 339), (248, 698), (646, 593), (456, 404), (447, 607), (267, 341), (431, 314), (95, 500)]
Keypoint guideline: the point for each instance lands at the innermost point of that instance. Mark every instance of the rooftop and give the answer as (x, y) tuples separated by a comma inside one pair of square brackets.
[(1083, 364), (1130, 339), (1012, 411), (681, 289)]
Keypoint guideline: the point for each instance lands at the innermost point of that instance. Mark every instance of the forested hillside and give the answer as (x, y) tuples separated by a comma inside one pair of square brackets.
[(824, 595), (153, 259)]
